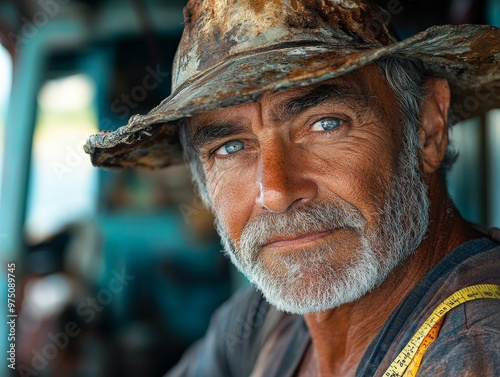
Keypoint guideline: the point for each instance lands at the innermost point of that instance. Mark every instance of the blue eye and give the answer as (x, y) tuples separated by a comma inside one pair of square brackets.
[(231, 147), (326, 124)]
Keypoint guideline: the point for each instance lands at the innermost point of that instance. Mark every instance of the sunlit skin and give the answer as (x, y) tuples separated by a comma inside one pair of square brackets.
[(344, 147)]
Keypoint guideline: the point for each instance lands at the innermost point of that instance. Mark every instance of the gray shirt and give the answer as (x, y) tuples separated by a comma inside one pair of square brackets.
[(248, 337)]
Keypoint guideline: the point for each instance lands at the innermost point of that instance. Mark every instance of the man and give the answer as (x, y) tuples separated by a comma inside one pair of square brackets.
[(320, 144)]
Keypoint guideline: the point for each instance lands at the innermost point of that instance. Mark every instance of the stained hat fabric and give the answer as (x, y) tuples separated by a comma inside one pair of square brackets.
[(233, 51)]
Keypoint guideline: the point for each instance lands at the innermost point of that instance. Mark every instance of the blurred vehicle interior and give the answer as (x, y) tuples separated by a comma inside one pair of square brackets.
[(118, 272)]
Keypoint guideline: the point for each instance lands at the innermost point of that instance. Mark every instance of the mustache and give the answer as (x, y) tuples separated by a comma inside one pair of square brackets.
[(314, 217)]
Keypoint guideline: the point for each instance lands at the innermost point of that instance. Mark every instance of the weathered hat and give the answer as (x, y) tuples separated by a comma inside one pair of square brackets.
[(233, 51)]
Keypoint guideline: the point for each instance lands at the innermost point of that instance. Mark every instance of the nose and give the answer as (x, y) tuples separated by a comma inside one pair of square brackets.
[(283, 179)]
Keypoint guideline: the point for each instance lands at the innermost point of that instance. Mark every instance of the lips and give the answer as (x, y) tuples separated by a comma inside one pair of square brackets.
[(287, 241)]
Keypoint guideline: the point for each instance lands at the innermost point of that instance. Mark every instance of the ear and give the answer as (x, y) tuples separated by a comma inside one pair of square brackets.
[(434, 123)]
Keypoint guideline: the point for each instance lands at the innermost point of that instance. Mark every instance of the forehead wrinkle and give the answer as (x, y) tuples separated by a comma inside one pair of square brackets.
[(327, 92)]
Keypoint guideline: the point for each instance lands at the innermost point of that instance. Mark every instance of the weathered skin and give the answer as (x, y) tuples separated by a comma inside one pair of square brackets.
[(288, 163), (233, 51)]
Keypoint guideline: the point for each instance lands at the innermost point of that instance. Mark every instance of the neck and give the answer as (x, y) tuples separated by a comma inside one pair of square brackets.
[(340, 336)]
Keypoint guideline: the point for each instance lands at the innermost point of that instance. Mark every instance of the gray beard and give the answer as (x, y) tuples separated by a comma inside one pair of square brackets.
[(307, 281)]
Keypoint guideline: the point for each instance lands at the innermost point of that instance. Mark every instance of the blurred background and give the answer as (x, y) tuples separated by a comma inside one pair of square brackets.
[(118, 272)]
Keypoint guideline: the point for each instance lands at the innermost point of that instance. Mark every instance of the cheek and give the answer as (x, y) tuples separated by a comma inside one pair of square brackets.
[(233, 194), (358, 173)]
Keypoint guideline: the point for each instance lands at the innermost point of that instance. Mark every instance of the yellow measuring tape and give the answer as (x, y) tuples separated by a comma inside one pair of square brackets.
[(408, 361)]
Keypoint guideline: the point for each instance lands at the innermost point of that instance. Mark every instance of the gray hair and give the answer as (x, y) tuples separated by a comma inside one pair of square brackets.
[(404, 76), (193, 159), (406, 79)]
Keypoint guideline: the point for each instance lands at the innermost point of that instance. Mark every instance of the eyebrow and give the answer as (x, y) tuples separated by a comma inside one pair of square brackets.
[(208, 133), (318, 96)]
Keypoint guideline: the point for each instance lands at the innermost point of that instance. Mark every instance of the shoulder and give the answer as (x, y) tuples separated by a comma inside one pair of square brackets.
[(483, 266), (467, 329), (477, 316), (233, 332), (475, 262), (237, 322), (241, 319), (467, 344)]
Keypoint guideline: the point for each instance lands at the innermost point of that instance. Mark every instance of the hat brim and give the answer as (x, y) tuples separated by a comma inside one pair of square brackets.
[(468, 56)]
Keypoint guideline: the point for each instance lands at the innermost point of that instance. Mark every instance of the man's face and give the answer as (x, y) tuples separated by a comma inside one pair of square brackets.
[(317, 197)]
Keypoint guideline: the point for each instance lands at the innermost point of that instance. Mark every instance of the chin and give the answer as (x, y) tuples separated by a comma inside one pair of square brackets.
[(314, 282)]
